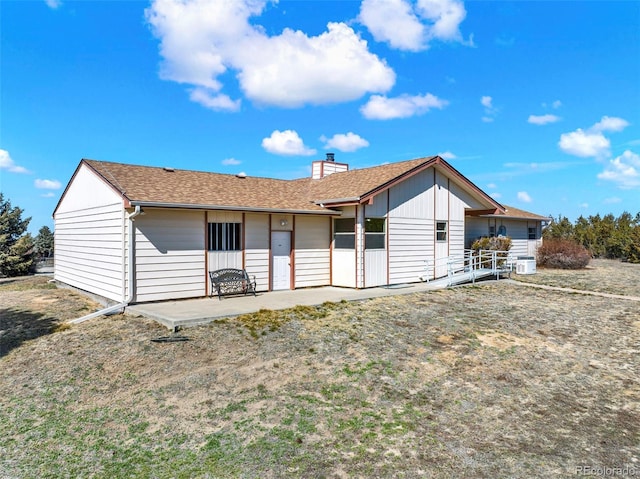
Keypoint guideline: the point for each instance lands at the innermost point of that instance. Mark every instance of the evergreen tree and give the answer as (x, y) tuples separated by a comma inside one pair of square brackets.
[(16, 246), (560, 228), (44, 242)]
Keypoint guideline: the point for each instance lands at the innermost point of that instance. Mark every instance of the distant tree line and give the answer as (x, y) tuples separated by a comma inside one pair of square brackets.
[(18, 249), (604, 237)]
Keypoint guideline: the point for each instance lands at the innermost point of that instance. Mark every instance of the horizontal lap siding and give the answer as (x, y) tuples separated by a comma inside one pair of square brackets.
[(169, 259), (88, 245), (456, 237), (410, 245), (312, 258)]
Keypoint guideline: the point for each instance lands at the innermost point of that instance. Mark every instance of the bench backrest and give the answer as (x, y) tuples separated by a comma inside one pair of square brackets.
[(227, 274)]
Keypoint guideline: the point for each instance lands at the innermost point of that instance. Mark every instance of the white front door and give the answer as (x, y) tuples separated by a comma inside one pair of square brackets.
[(280, 260)]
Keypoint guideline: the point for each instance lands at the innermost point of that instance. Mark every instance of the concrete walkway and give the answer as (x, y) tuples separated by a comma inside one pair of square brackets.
[(189, 312)]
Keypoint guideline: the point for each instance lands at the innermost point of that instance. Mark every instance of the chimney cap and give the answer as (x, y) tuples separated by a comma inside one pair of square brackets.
[(331, 157)]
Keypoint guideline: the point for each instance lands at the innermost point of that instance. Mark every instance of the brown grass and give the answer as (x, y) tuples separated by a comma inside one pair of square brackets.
[(491, 380)]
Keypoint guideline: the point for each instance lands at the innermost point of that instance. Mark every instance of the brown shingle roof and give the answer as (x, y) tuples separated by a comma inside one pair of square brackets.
[(153, 185), (512, 212), (157, 186), (357, 183)]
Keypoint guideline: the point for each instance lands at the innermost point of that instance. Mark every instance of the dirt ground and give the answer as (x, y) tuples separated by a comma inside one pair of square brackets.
[(490, 380)]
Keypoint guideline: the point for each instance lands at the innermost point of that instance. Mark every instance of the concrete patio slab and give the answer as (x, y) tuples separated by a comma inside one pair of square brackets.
[(190, 312)]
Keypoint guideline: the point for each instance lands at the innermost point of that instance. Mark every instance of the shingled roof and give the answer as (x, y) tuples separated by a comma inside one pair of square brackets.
[(516, 213), (169, 187)]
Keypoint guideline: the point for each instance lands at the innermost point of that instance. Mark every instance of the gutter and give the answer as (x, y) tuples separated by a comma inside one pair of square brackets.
[(230, 208), (120, 306)]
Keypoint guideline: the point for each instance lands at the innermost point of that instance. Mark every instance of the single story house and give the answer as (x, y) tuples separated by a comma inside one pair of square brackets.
[(134, 233)]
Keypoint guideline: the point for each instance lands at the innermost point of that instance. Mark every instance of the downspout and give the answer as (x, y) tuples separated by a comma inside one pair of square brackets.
[(129, 298)]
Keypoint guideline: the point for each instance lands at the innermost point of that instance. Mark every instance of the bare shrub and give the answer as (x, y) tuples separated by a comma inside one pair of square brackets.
[(563, 254), (495, 243)]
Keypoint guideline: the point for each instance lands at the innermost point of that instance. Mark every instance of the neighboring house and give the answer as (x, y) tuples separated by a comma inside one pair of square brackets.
[(137, 233)]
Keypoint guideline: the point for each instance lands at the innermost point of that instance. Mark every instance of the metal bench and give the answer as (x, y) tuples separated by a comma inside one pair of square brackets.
[(231, 281)]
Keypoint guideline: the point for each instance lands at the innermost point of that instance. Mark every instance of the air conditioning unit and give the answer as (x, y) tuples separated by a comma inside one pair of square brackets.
[(526, 265)]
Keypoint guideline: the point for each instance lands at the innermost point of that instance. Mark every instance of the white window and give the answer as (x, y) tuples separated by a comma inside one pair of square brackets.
[(374, 233), (441, 231), (344, 233)]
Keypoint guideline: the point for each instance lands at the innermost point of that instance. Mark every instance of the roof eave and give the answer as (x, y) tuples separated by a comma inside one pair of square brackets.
[(158, 204), (334, 202)]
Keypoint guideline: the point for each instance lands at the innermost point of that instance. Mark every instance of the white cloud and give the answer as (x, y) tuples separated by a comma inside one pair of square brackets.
[(610, 124), (286, 143), (555, 105), (492, 186), (7, 163), (592, 142), (231, 161), (543, 119), (524, 196), (412, 26), (47, 184), (584, 205), (213, 101), (50, 194), (612, 200), (495, 195), (383, 108), (345, 142), (584, 144), (490, 111), (623, 170), (447, 155), (202, 41), (53, 3), (393, 21)]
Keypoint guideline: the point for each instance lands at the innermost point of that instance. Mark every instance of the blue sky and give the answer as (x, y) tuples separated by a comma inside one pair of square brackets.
[(538, 103)]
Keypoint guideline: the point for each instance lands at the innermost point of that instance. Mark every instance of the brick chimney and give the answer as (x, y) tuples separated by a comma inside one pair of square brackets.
[(322, 168)]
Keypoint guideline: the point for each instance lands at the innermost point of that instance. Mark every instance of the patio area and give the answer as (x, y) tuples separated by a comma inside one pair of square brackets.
[(190, 312)]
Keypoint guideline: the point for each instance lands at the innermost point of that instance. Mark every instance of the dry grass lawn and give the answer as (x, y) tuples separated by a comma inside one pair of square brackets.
[(491, 380)]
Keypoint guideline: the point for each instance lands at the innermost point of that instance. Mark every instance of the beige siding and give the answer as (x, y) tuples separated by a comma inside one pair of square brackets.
[(360, 247), (442, 197), (170, 262), (89, 237), (312, 259), (344, 268), (343, 261), (413, 198), (256, 260), (456, 237), (462, 199), (375, 270), (410, 246), (89, 253), (378, 208)]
